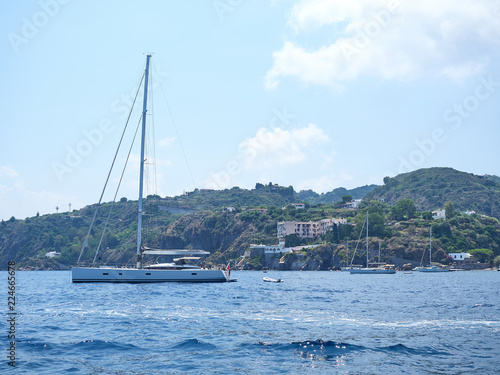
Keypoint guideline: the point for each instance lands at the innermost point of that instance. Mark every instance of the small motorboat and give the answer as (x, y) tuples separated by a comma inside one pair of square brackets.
[(271, 280)]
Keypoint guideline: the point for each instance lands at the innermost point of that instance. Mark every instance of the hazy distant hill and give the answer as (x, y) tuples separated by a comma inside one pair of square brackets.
[(335, 195), (431, 188)]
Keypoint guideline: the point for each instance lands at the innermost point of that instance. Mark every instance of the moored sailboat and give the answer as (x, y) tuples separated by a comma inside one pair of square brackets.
[(431, 268), (178, 271), (380, 269)]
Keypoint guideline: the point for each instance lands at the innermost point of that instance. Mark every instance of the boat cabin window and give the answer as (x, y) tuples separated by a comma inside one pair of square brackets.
[(194, 273), (105, 273), (148, 273)]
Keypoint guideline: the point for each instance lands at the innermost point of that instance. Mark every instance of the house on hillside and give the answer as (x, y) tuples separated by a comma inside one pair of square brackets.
[(297, 206), (352, 205), (460, 257), (301, 229), (440, 214), (307, 229), (259, 250)]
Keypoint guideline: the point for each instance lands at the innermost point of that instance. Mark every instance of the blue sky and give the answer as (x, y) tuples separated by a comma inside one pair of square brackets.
[(311, 93)]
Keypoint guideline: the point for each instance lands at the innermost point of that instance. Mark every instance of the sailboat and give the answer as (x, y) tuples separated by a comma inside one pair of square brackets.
[(178, 271), (347, 268), (431, 268), (372, 270)]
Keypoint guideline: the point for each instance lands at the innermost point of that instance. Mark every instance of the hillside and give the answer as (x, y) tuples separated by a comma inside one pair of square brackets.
[(335, 195), (196, 220), (27, 241), (431, 188), (263, 195)]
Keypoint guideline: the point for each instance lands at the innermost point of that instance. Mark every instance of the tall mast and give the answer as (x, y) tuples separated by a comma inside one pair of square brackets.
[(366, 238), (144, 110), (347, 262), (430, 247)]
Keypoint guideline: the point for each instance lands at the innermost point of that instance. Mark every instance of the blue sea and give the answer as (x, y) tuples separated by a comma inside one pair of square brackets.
[(311, 323)]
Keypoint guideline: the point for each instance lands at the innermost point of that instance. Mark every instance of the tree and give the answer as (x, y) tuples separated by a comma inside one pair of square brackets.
[(449, 209), (441, 229), (258, 186), (404, 209), (386, 180), (482, 255), (496, 261), (123, 199), (346, 199), (427, 215), (376, 219), (292, 240)]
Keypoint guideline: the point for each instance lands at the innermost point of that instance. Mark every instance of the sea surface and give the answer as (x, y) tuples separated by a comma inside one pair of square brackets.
[(311, 323)]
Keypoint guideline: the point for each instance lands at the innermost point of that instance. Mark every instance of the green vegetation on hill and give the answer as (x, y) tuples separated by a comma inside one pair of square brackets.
[(335, 195), (28, 241), (263, 195), (431, 188), (401, 219)]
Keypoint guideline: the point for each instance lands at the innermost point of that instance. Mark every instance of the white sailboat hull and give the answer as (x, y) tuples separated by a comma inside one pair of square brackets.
[(372, 271), (433, 269), (133, 275)]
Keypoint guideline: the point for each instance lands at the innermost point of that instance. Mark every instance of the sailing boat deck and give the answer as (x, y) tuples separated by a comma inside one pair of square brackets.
[(134, 275)]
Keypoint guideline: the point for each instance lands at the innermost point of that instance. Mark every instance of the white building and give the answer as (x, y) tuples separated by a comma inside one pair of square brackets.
[(440, 214), (271, 249), (352, 205), (309, 229), (327, 224), (52, 254), (301, 229), (297, 206), (459, 257)]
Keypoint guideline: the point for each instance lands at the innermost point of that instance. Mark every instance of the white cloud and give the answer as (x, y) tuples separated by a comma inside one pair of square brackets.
[(388, 39), (278, 147), (7, 173), (274, 155), (326, 183), (166, 142)]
